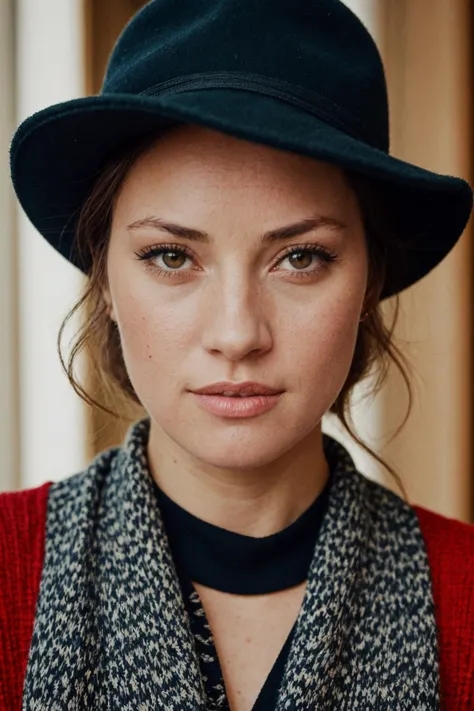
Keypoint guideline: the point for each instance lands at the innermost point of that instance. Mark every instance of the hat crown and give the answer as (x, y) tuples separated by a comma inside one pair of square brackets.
[(316, 49)]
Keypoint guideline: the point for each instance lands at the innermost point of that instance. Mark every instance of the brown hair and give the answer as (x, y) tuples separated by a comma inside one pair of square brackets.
[(98, 335)]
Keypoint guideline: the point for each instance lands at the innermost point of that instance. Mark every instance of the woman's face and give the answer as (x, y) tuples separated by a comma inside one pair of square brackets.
[(235, 305)]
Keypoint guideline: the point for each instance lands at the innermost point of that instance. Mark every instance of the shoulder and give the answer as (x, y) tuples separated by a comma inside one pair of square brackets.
[(450, 546), (23, 513), (450, 549), (22, 541), (22, 521), (22, 537), (24, 516)]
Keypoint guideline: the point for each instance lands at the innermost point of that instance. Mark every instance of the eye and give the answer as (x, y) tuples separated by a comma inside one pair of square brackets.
[(172, 256), (305, 260), (308, 259)]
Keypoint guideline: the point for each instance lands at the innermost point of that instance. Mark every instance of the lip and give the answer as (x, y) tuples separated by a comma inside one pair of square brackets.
[(237, 407), (247, 387)]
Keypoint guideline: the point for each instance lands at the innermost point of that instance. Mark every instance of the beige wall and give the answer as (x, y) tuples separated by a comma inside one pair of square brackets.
[(427, 56)]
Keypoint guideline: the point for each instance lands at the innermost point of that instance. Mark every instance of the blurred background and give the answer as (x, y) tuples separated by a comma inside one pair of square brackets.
[(55, 50)]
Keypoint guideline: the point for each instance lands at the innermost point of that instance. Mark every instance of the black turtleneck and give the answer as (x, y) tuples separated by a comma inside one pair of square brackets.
[(235, 563)]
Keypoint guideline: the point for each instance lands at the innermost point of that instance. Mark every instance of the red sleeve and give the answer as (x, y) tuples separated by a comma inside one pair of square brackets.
[(22, 536), (450, 547)]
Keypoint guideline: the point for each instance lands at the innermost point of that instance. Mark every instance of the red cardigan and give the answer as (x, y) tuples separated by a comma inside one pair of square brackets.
[(450, 546)]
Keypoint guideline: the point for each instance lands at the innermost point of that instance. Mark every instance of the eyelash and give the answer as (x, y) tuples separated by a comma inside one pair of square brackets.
[(148, 253)]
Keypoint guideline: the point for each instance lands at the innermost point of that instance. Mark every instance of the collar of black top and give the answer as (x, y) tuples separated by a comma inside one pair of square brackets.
[(239, 564)]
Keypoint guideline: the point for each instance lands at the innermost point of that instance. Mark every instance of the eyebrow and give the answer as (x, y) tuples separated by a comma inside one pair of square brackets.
[(294, 230)]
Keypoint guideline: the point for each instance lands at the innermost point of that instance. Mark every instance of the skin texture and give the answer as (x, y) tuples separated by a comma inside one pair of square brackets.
[(237, 310)]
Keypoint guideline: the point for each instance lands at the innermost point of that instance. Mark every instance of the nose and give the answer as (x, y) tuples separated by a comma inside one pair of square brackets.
[(236, 321)]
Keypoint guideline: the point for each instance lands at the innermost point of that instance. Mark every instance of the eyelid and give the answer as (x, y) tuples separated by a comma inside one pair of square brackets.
[(184, 248), (311, 246), (163, 247)]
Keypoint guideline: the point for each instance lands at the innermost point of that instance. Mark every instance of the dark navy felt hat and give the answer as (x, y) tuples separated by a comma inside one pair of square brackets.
[(299, 75)]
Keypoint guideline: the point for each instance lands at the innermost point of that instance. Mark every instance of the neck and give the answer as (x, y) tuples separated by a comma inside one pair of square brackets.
[(254, 502)]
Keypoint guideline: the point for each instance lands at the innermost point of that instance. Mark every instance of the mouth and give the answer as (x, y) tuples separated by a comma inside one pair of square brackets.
[(244, 399), (243, 389), (240, 394)]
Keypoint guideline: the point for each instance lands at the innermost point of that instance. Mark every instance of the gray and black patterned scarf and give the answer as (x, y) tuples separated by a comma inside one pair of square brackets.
[(111, 631)]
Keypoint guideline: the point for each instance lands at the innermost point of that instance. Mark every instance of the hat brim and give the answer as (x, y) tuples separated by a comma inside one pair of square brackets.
[(56, 155)]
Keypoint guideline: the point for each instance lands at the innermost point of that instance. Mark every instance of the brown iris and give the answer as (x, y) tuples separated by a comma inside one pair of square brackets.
[(175, 257), (297, 257)]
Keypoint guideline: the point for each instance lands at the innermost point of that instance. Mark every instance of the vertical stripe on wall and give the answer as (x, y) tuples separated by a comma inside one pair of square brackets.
[(49, 70), (9, 413)]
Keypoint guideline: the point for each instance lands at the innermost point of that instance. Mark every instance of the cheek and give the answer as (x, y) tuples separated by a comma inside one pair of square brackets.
[(154, 339), (321, 345)]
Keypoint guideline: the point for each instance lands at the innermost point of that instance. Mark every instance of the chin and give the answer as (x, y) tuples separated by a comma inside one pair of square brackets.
[(243, 453)]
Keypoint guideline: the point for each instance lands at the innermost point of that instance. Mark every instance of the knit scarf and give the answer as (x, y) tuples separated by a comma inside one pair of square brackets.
[(111, 630)]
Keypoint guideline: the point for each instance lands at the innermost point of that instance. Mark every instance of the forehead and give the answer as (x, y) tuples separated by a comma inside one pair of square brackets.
[(196, 159)]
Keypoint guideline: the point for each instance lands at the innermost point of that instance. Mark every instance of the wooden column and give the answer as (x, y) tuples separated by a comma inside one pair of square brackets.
[(426, 47)]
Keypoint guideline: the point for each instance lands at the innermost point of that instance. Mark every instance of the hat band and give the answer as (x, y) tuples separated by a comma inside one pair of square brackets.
[(302, 98)]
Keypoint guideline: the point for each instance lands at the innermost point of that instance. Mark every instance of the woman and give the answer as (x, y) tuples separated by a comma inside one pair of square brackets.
[(231, 198)]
